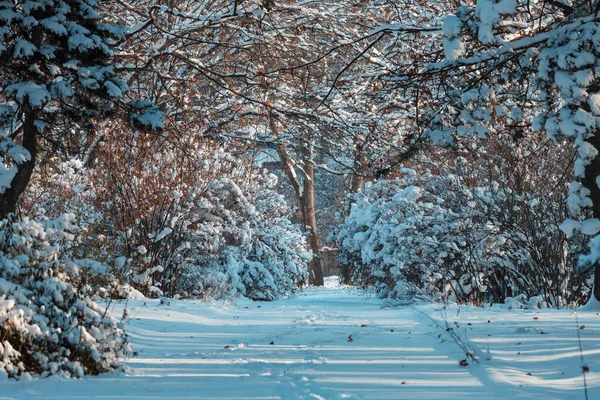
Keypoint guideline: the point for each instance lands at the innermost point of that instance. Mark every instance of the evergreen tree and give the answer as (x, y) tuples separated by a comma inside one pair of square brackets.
[(56, 80)]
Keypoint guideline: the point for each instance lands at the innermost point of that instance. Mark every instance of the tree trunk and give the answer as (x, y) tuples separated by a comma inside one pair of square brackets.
[(360, 166), (305, 195), (310, 222), (10, 197), (592, 171)]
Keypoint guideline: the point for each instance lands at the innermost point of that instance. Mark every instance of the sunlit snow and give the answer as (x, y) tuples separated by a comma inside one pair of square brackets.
[(300, 348)]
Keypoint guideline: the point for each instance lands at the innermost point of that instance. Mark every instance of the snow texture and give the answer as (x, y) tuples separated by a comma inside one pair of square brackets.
[(454, 48), (49, 324), (335, 343)]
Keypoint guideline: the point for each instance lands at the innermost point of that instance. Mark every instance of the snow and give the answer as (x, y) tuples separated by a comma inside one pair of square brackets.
[(164, 233), (506, 6), (452, 26), (300, 348), (6, 177), (590, 226), (129, 292), (594, 102), (142, 250), (454, 48), (592, 305), (569, 226), (29, 92), (150, 117), (489, 13), (23, 49)]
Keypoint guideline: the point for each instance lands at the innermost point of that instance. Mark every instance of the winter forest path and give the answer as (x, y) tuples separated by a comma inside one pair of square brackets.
[(301, 348)]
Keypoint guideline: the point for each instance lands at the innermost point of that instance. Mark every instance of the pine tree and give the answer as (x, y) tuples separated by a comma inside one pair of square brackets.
[(56, 81)]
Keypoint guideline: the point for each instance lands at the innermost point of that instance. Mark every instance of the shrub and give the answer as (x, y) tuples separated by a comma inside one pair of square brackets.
[(257, 251), (212, 226), (435, 235), (49, 322), (177, 220)]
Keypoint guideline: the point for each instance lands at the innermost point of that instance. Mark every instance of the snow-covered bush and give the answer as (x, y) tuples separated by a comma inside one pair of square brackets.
[(174, 220), (224, 242), (436, 235), (255, 250), (191, 219), (49, 322), (405, 237)]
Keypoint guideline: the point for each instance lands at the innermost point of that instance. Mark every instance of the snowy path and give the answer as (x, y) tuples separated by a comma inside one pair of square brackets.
[(396, 353)]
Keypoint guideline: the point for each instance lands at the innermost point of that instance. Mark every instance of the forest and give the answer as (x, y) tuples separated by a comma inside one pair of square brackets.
[(416, 154)]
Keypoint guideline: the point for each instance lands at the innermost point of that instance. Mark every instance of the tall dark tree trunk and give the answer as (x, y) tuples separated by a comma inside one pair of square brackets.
[(592, 171), (10, 197), (305, 195), (590, 182)]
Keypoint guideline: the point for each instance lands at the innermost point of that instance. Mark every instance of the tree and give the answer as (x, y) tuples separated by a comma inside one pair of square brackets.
[(512, 68), (213, 61), (284, 78), (475, 223), (56, 82)]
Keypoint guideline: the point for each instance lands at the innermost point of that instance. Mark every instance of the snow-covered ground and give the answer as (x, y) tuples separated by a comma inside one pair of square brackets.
[(332, 343)]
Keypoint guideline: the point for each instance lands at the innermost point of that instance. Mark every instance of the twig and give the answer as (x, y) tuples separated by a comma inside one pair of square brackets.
[(584, 368), (457, 339), (355, 59), (107, 307)]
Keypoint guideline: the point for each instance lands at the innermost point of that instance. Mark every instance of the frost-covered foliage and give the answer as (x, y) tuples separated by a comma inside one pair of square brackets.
[(434, 235), (58, 187), (49, 322), (525, 67), (253, 249), (52, 51), (57, 83), (212, 228), (176, 221)]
